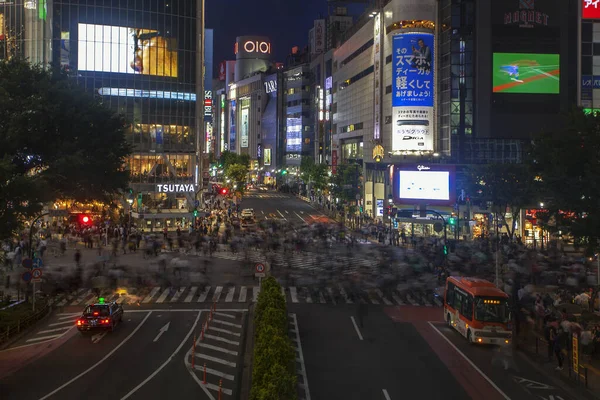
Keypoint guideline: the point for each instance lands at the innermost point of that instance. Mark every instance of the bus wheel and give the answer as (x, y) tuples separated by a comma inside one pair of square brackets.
[(469, 339)]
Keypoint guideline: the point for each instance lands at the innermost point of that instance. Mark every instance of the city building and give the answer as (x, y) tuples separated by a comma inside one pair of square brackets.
[(142, 58), (589, 57)]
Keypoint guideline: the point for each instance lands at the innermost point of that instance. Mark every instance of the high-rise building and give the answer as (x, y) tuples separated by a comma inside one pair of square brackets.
[(142, 58)]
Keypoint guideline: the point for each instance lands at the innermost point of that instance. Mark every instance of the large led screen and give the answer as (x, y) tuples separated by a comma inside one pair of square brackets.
[(293, 135), (424, 185), (118, 49), (526, 73)]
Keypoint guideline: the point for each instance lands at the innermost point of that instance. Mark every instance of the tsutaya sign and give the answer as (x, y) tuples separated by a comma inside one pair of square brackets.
[(176, 188)]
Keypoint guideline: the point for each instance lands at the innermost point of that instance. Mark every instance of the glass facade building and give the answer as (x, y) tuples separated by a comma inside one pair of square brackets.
[(141, 56)]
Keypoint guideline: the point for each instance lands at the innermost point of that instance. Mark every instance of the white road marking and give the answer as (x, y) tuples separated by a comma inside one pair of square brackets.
[(345, 295), (69, 317), (56, 329), (322, 298), (161, 331), (212, 328), (301, 354), (294, 294), (227, 323), (37, 339), (385, 300), (220, 339), (282, 216), (470, 362), (178, 294), (373, 299), (287, 212), (203, 295), (217, 294), (163, 295), (151, 295), (386, 395), (230, 293), (301, 219), (308, 296), (243, 294), (101, 361), (397, 300), (191, 294), (67, 314), (81, 298), (211, 386), (98, 337), (214, 372), (185, 340), (215, 359), (62, 323), (222, 314), (217, 348), (330, 291), (356, 328)]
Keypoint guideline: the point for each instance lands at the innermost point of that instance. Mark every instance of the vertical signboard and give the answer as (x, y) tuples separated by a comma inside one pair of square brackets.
[(223, 145), (232, 127), (244, 128), (412, 97), (590, 9), (587, 90), (377, 77), (267, 159), (208, 104), (209, 137), (319, 36)]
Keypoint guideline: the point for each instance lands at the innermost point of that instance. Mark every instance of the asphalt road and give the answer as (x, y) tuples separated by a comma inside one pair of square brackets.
[(136, 361), (276, 205)]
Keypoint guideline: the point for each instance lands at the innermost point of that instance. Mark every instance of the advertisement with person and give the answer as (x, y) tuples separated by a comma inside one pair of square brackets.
[(412, 95), (105, 48), (244, 128), (232, 126), (267, 157)]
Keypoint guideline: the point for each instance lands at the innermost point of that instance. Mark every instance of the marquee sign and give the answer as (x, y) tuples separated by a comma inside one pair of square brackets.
[(176, 188)]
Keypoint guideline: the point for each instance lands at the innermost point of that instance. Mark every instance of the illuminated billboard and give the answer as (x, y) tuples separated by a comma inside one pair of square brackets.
[(105, 48), (590, 9), (526, 73), (244, 127), (428, 184), (267, 158), (293, 137)]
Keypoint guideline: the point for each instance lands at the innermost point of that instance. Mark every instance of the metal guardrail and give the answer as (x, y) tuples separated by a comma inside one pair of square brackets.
[(580, 375), (16, 328)]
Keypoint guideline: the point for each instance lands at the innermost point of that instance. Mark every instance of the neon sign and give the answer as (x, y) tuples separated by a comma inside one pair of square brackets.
[(255, 46)]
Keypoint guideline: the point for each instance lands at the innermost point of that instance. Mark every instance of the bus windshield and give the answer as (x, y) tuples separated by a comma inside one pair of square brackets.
[(491, 309)]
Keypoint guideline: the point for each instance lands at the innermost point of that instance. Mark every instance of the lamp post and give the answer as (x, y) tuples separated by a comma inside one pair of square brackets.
[(390, 203), (130, 202)]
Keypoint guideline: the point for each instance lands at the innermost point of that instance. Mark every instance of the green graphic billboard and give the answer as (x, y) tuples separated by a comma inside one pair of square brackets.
[(526, 73)]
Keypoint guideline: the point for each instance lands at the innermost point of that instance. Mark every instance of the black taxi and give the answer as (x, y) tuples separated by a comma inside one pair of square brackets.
[(100, 316)]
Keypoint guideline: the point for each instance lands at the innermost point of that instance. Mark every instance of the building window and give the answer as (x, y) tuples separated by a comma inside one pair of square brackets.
[(358, 52), (388, 119), (356, 77), (388, 59), (388, 89), (351, 127)]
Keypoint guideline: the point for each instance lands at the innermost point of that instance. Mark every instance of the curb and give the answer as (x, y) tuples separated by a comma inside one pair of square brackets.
[(6, 345), (246, 384)]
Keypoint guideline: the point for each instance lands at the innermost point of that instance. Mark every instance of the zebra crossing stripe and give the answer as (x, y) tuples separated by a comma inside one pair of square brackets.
[(230, 293), (372, 298), (330, 291), (243, 293), (255, 292), (191, 294), (178, 294), (385, 300), (308, 296), (203, 295), (81, 297), (153, 293), (397, 300), (217, 294), (345, 295), (321, 297), (293, 294), (163, 295)]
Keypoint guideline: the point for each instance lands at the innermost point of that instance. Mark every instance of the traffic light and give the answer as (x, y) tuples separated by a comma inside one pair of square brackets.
[(85, 219), (445, 250), (224, 191), (284, 172), (452, 221), (195, 213)]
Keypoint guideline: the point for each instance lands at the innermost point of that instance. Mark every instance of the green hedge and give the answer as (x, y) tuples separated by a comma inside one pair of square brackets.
[(274, 367)]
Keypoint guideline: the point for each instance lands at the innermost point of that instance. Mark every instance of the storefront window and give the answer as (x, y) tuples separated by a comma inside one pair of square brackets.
[(161, 168)]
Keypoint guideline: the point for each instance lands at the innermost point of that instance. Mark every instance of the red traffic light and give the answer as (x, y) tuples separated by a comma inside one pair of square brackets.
[(223, 191), (85, 219)]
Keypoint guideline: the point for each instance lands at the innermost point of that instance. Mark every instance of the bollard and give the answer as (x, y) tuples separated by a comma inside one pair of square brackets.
[(204, 381), (220, 388)]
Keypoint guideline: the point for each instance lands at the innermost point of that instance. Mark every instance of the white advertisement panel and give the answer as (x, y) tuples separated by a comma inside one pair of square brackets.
[(244, 128), (412, 128), (424, 185)]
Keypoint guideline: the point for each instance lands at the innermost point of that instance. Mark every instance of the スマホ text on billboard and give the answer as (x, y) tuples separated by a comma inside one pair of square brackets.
[(413, 70)]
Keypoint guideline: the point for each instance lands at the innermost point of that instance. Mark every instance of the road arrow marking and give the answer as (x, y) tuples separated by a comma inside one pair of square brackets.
[(97, 337), (162, 330)]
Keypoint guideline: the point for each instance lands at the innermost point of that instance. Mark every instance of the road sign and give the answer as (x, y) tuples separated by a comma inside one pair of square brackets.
[(260, 268), (36, 275), (27, 263), (38, 263), (26, 276)]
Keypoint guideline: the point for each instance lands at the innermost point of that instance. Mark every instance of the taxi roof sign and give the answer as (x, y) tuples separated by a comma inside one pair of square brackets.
[(101, 300)]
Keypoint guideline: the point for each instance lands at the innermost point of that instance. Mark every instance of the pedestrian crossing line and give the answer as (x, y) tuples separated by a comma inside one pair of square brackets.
[(222, 314), (385, 300), (220, 339), (372, 298), (70, 316), (255, 292), (308, 296), (293, 294), (81, 298), (321, 297), (215, 359), (163, 295), (177, 294), (218, 388), (56, 329), (345, 295), (153, 293), (217, 348), (243, 294), (217, 294), (191, 294), (398, 300), (37, 339), (230, 293), (61, 323), (113, 297), (121, 299), (203, 295), (227, 323), (212, 328), (218, 373), (330, 291), (62, 302)]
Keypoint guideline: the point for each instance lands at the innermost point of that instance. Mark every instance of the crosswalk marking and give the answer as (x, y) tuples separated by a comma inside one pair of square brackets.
[(308, 296), (215, 359), (230, 293), (345, 295), (163, 295), (153, 293), (243, 293), (203, 295), (385, 300), (255, 292), (397, 300), (56, 329), (372, 298), (330, 291), (294, 294), (191, 294), (177, 294), (321, 297), (82, 297), (217, 294)]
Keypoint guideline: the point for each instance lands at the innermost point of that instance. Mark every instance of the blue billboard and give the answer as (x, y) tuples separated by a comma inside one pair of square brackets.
[(413, 70), (232, 127)]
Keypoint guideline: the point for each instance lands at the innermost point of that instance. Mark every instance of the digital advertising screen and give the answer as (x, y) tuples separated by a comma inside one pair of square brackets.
[(526, 73), (293, 136), (413, 70), (424, 185), (117, 49)]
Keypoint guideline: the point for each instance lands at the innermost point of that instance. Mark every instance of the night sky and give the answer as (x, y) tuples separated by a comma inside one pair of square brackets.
[(285, 22)]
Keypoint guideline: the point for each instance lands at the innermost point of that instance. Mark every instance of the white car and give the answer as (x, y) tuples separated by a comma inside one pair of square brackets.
[(248, 213)]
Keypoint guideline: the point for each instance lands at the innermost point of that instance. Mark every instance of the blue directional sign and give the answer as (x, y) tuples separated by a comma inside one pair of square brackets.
[(38, 263), (26, 276)]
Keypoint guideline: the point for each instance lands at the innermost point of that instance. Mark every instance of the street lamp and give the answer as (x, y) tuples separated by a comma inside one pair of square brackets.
[(390, 203), (130, 201)]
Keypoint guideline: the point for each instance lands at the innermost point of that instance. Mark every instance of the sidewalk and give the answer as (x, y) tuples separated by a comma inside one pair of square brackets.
[(535, 348)]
